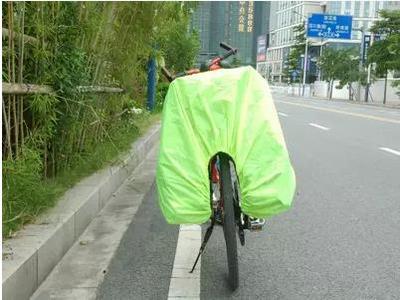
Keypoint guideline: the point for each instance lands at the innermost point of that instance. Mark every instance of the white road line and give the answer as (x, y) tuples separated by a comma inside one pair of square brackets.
[(390, 150), (185, 285), (282, 114), (376, 118), (318, 126)]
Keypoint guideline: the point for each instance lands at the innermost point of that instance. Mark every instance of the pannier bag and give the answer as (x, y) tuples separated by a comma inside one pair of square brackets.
[(231, 111)]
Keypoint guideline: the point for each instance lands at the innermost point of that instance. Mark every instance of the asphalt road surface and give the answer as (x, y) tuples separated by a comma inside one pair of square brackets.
[(340, 239)]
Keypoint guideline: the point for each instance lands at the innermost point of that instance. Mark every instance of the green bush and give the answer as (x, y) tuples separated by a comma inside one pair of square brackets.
[(162, 89), (25, 195), (50, 141)]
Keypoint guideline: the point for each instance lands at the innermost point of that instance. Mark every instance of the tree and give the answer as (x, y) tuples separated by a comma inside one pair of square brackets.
[(342, 65), (348, 70), (327, 63), (178, 46), (385, 53), (296, 51), (71, 44)]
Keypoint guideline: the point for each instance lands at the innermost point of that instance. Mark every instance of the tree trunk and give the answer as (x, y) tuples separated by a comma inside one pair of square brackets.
[(350, 98), (16, 125), (26, 88), (330, 89), (12, 77), (45, 160), (20, 75), (8, 134), (384, 93)]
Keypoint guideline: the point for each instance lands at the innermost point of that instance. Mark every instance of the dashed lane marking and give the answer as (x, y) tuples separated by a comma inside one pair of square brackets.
[(282, 114), (318, 126), (395, 152)]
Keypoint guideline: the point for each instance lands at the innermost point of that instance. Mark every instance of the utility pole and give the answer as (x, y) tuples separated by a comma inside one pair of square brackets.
[(305, 52), (323, 7), (369, 72)]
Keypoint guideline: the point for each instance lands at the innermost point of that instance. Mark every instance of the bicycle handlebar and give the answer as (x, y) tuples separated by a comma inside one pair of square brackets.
[(225, 46), (212, 65), (167, 74)]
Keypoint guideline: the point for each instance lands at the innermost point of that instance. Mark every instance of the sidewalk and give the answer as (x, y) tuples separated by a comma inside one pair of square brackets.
[(82, 270)]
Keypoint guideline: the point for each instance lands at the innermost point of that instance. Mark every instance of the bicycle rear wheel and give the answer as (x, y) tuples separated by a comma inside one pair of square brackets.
[(229, 224)]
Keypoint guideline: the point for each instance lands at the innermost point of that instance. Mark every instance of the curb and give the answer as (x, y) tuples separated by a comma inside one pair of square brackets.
[(35, 251)]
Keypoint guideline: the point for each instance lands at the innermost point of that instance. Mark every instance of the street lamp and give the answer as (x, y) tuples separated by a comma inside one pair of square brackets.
[(305, 51)]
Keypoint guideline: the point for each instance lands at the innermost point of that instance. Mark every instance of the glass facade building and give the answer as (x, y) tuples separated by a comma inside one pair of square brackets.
[(237, 23)]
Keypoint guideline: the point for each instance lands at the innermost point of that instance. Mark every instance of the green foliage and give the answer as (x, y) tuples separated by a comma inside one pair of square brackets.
[(347, 69), (385, 53), (24, 193), (49, 137), (328, 63), (342, 65), (162, 89), (178, 46), (296, 51)]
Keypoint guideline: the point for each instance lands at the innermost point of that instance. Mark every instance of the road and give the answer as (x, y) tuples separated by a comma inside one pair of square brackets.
[(340, 239)]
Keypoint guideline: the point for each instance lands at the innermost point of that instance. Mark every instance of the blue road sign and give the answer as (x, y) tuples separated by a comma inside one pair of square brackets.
[(329, 26)]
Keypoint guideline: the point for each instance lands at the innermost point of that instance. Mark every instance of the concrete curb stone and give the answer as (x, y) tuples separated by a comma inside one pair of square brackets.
[(38, 247), (86, 263)]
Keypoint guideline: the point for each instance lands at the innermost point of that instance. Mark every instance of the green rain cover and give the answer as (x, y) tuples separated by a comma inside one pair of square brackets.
[(231, 111)]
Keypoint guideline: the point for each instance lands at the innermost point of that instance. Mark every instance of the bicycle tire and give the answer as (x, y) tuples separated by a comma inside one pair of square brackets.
[(229, 223)]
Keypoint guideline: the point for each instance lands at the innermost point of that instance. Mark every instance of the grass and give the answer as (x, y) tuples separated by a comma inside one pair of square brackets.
[(26, 195)]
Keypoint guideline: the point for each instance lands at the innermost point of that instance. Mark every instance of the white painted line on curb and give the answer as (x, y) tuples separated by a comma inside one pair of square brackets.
[(390, 150), (318, 126), (282, 114), (185, 285)]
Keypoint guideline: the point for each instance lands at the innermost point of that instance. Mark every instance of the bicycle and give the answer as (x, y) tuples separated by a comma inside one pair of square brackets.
[(224, 190)]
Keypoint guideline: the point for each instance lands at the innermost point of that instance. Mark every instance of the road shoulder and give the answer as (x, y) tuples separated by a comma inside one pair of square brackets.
[(81, 271)]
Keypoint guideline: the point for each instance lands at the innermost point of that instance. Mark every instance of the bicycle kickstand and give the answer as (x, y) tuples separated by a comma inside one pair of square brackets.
[(204, 243)]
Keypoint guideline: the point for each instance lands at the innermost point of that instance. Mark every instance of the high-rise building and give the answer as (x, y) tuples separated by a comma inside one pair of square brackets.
[(286, 15), (236, 23), (201, 22)]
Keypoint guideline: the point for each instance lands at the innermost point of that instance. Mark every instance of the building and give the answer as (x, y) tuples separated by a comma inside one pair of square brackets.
[(286, 15), (200, 21), (236, 23)]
